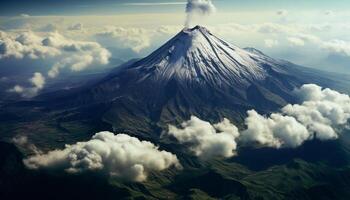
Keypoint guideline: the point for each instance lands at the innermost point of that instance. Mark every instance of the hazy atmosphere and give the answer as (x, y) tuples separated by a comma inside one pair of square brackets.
[(175, 99)]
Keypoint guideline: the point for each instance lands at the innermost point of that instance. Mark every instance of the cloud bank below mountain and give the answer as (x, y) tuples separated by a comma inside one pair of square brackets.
[(120, 156), (321, 112)]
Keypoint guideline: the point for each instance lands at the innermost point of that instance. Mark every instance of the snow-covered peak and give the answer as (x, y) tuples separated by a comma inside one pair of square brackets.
[(195, 54), (195, 29)]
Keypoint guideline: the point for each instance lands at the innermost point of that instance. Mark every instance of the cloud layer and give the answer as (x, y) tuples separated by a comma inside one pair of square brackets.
[(54, 50), (317, 117), (134, 38), (119, 155)]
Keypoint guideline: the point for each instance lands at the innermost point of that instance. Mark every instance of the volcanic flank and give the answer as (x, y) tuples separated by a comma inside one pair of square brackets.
[(194, 73)]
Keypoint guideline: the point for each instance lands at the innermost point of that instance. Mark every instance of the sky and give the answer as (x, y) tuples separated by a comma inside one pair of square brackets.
[(111, 7), (93, 34)]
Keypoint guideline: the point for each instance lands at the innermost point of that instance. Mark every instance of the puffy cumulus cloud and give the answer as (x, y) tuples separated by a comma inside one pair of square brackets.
[(119, 155), (294, 41), (206, 140), (80, 54), (198, 7), (321, 110), (24, 45), (59, 50), (134, 38), (271, 43), (274, 131), (38, 83), (38, 80)]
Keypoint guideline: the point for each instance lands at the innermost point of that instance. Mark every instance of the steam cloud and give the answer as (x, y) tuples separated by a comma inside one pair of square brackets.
[(321, 111), (119, 155), (199, 7)]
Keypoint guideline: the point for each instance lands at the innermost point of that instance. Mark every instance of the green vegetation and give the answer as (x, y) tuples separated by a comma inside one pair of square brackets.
[(317, 170)]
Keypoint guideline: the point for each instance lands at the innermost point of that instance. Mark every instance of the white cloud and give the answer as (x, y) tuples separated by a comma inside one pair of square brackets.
[(271, 28), (294, 41), (317, 116), (119, 155), (206, 140), (23, 45), (134, 38), (198, 7), (24, 15), (271, 43), (37, 81), (275, 131), (54, 48), (168, 30), (337, 46), (321, 110), (23, 142)]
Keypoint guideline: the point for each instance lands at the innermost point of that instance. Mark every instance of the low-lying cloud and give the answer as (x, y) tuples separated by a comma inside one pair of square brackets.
[(135, 38), (206, 140), (53, 48), (38, 83), (23, 142), (274, 131), (321, 112), (198, 7), (120, 156)]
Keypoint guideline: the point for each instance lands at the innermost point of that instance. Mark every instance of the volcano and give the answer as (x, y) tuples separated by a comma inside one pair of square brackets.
[(194, 73)]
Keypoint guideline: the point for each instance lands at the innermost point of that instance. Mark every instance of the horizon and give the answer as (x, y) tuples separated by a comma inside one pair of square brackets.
[(313, 36)]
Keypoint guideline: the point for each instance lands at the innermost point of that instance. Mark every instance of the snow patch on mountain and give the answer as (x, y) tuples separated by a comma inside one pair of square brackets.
[(196, 54)]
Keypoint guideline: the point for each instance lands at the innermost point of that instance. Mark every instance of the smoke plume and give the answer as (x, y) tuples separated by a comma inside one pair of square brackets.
[(198, 7)]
